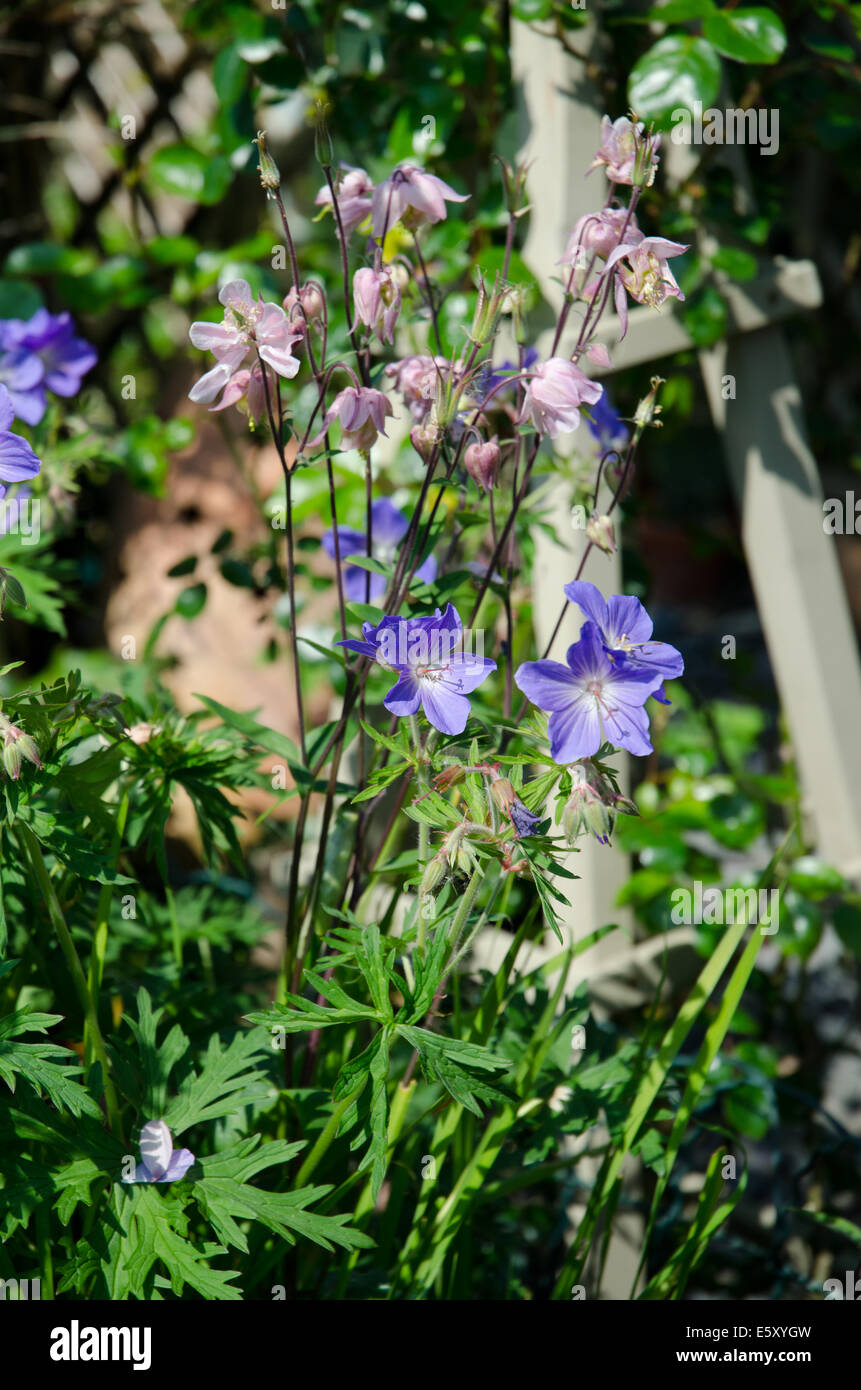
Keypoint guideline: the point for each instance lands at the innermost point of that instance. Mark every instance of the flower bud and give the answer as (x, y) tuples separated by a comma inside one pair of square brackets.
[(449, 777), (463, 860), (270, 178), (310, 297), (12, 760), (599, 530), (482, 463), (433, 875), (425, 438), (16, 746), (324, 150), (28, 748)]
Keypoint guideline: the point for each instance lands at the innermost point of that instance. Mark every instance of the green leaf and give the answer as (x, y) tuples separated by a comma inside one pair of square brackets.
[(226, 1197), (18, 300), (229, 1079), (153, 1231), (185, 171), (49, 1069), (748, 36), (191, 601), (679, 11), (675, 73), (847, 924), (738, 265)]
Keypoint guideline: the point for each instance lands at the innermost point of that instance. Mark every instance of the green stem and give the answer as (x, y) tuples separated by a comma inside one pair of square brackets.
[(100, 935), (326, 1136), (34, 853)]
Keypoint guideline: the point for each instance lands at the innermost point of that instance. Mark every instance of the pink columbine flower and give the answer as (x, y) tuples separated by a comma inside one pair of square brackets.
[(646, 276), (412, 196), (249, 325), (555, 394), (377, 301), (416, 380), (596, 233), (628, 154), (245, 385), (361, 413), (353, 189)]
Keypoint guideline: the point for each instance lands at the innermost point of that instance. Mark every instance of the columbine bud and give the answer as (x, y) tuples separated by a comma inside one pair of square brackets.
[(599, 530), (270, 178), (324, 151), (481, 462), (487, 310), (310, 297), (647, 408), (17, 745), (425, 438)]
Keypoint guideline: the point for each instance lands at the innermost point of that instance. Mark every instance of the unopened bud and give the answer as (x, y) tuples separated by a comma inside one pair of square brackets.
[(481, 462), (433, 875), (270, 177), (310, 297), (12, 760), (463, 860), (425, 438), (324, 150), (503, 793), (449, 777), (28, 748), (16, 746), (599, 530)]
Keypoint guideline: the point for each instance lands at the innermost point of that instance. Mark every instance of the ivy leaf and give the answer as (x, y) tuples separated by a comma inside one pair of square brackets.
[(748, 36), (676, 72)]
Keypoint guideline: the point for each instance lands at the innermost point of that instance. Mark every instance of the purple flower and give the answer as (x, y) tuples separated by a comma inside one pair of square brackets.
[(524, 821), (17, 460), (22, 374), (377, 301), (412, 196), (353, 190), (625, 629), (432, 674), (555, 394), (160, 1162), (595, 697), (361, 412), (388, 528), (50, 338), (606, 425)]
